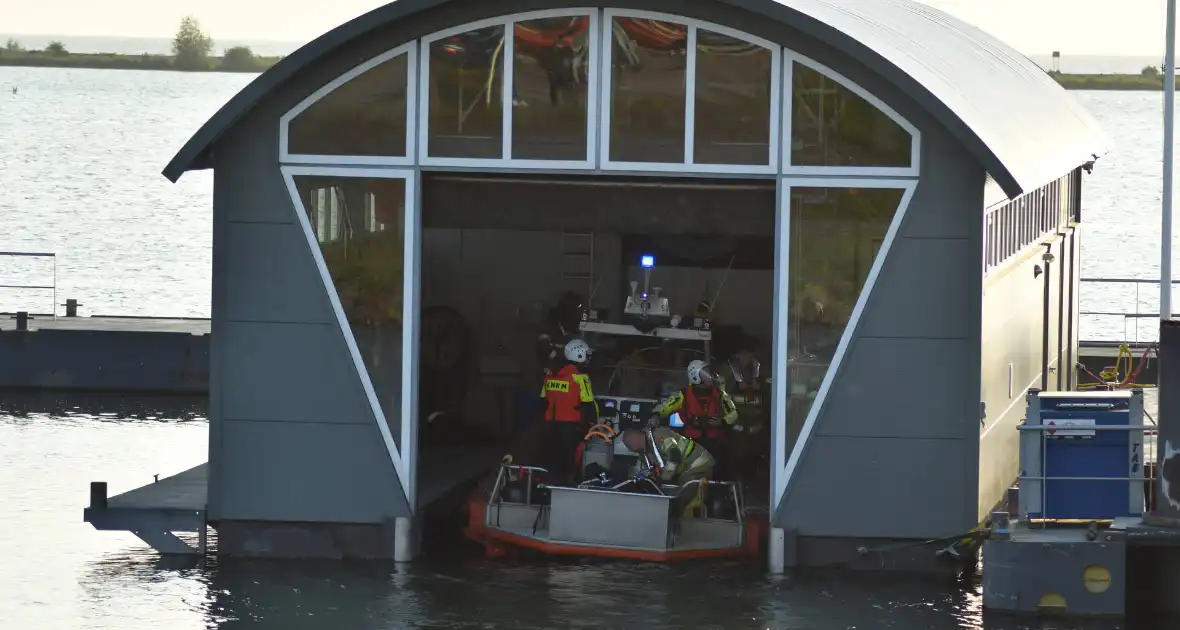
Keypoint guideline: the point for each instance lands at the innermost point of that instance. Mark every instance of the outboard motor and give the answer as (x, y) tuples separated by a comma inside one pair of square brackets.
[(597, 455), (598, 450)]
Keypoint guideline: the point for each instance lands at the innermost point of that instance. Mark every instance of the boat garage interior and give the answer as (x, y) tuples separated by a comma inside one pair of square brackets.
[(405, 204)]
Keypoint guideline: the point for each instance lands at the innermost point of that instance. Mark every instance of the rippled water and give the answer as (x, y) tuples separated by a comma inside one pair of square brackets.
[(80, 155)]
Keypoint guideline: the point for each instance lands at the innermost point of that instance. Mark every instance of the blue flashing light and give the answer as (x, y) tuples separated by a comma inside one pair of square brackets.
[(647, 261)]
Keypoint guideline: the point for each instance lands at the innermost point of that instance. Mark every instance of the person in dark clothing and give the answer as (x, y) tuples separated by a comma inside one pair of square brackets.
[(560, 328)]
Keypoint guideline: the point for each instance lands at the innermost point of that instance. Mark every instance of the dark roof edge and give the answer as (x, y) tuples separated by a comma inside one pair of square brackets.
[(194, 154)]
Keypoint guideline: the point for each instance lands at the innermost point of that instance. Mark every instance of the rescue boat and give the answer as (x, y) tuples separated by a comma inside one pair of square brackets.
[(621, 510)]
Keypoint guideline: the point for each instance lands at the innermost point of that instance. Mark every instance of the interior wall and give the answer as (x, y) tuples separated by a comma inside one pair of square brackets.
[(503, 283), (746, 298)]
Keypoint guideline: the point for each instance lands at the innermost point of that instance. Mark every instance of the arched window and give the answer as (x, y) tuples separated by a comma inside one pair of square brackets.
[(526, 91), (362, 117), (837, 127)]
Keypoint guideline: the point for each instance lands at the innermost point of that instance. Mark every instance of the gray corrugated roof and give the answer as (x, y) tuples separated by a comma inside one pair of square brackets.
[(1023, 127)]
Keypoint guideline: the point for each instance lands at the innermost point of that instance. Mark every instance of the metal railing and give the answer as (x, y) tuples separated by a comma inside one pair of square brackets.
[(1133, 465), (1143, 293), (37, 287)]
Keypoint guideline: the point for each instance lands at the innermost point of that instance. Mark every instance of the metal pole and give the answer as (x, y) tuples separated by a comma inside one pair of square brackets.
[(1169, 135)]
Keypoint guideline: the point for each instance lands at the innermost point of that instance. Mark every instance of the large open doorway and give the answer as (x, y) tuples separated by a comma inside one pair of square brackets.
[(514, 265)]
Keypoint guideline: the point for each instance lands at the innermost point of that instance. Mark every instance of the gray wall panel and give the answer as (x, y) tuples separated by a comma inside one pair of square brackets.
[(295, 373), (929, 379), (881, 488), (935, 269), (311, 472), (1013, 312), (270, 282)]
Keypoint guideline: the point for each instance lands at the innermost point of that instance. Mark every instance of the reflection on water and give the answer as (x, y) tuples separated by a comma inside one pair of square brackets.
[(101, 406), (60, 573)]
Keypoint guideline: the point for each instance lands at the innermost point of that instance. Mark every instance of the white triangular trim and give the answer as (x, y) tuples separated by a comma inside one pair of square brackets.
[(783, 480), (409, 176)]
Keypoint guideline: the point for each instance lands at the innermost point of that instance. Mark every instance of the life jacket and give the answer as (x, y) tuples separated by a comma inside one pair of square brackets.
[(692, 455), (697, 409), (563, 395)]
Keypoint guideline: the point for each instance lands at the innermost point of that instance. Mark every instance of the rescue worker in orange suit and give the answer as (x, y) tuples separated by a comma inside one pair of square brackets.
[(570, 410), (707, 411)]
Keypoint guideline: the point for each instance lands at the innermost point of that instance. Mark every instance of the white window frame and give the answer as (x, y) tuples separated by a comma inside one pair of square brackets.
[(689, 165), (790, 58), (409, 49), (405, 459), (508, 55), (783, 464)]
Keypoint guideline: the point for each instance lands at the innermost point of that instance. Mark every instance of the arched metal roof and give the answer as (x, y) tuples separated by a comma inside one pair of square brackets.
[(1015, 119)]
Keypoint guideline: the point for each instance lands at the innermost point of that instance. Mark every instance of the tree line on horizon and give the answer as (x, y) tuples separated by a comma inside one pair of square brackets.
[(192, 49)]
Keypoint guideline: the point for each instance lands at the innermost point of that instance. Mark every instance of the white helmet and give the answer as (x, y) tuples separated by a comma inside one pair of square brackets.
[(698, 372), (577, 351)]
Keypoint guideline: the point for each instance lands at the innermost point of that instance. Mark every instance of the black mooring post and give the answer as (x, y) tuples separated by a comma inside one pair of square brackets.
[(71, 307), (98, 495), (1167, 443), (22, 320)]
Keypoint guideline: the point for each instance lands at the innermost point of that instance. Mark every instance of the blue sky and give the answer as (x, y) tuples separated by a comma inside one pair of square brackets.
[(1079, 27)]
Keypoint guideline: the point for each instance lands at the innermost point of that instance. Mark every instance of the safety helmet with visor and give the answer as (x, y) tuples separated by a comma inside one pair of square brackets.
[(577, 351), (699, 374)]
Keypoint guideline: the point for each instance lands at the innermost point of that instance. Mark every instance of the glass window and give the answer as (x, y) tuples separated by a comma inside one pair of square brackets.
[(550, 88), (466, 95), (365, 116), (359, 223), (732, 101), (835, 236), (833, 126), (647, 91)]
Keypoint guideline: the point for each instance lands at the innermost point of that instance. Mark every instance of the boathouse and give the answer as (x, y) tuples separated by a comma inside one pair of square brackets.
[(884, 201)]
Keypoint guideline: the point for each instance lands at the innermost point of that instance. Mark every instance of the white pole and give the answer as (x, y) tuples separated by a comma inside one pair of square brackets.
[(1169, 135)]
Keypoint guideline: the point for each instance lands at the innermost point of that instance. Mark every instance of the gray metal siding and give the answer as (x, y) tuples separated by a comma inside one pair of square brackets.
[(307, 472), (1013, 312), (296, 433), (217, 384), (910, 375)]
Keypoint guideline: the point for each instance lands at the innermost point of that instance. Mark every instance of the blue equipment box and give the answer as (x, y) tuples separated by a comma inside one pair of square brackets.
[(1070, 467)]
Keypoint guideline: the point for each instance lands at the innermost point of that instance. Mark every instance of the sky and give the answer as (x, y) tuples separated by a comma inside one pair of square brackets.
[(1078, 27)]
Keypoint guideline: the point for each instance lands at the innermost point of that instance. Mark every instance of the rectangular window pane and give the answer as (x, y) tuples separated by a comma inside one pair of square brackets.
[(550, 88), (365, 116), (835, 235), (648, 73), (364, 257), (732, 121), (466, 95)]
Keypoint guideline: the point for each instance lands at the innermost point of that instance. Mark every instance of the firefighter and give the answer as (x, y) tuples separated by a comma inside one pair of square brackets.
[(705, 409), (570, 409), (683, 459)]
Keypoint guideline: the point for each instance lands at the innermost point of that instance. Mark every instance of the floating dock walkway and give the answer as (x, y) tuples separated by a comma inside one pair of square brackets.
[(104, 353), (158, 511)]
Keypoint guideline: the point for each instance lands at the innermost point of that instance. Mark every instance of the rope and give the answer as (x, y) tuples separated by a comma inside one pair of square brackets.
[(1109, 378)]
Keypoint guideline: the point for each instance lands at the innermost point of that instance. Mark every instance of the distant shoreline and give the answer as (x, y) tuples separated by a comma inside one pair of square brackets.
[(103, 61)]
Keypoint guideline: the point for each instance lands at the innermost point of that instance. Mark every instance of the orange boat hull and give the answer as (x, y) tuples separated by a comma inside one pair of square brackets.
[(498, 543)]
